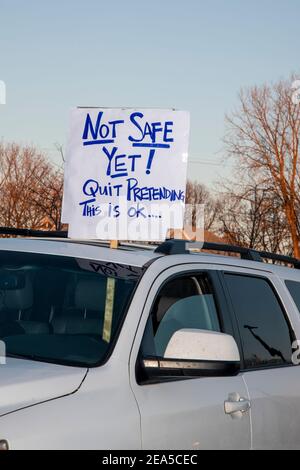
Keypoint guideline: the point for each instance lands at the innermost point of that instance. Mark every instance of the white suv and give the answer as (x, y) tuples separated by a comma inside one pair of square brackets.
[(138, 348)]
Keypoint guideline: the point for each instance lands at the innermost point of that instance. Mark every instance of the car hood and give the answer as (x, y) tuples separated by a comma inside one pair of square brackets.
[(25, 383)]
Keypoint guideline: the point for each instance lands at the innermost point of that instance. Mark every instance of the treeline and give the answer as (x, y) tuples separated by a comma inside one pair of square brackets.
[(31, 188), (259, 207)]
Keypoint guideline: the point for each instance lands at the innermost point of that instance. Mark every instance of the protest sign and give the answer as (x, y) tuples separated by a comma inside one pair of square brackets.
[(125, 173)]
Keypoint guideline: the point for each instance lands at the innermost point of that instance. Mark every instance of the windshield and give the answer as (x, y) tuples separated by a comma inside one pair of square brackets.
[(61, 309)]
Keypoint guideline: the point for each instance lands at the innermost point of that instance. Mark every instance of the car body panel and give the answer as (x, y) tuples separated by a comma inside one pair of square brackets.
[(275, 407), (102, 414), (24, 383)]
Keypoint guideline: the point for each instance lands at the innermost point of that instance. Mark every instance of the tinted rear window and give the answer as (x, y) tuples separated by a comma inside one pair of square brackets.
[(265, 333)]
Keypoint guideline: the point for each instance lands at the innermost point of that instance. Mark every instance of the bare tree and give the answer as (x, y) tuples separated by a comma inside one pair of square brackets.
[(263, 137), (197, 194), (31, 189), (252, 216)]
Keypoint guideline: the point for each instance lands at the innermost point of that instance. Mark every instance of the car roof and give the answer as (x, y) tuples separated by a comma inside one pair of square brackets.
[(133, 254), (98, 251)]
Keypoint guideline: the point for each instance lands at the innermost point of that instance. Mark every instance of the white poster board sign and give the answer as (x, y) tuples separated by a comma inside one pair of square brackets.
[(125, 174)]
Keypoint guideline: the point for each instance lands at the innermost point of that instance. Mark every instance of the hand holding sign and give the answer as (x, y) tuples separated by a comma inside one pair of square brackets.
[(126, 173)]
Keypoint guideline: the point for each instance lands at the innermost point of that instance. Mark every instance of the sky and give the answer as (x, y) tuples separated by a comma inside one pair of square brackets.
[(193, 55)]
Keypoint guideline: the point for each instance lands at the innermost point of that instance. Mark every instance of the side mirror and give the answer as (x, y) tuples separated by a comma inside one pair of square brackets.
[(195, 353)]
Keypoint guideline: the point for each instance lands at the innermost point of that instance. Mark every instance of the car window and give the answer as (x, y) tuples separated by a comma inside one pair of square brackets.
[(265, 332), (185, 302), (294, 289), (62, 309)]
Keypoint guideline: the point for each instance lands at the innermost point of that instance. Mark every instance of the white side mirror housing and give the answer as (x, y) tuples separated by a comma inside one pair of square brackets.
[(202, 345)]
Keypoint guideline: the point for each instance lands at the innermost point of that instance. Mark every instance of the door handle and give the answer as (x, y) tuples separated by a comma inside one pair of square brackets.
[(236, 406)]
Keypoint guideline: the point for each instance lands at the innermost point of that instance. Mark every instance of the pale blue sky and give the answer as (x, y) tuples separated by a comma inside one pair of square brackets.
[(189, 54)]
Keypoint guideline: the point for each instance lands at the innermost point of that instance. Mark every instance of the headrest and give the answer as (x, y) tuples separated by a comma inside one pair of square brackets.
[(19, 299), (90, 294)]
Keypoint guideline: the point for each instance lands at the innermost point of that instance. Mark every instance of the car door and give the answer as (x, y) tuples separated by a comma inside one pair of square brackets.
[(188, 414), (272, 380)]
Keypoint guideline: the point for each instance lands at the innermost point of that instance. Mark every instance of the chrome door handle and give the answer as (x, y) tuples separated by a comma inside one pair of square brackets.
[(236, 406)]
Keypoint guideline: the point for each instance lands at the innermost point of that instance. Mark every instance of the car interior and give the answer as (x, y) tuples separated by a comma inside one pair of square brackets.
[(58, 313)]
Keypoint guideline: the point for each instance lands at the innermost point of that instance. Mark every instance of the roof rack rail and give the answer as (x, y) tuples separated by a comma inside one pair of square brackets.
[(26, 232), (283, 258), (176, 247)]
